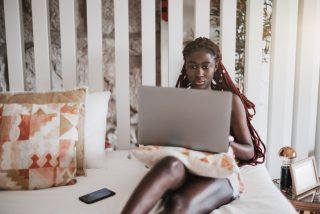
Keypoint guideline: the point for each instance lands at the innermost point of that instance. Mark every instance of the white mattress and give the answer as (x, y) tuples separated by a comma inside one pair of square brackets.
[(121, 175)]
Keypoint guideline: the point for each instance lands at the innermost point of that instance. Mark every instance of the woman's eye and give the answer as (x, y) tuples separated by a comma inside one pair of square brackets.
[(205, 67)]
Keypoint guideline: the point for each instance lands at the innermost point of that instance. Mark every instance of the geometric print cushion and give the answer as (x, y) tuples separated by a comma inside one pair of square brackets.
[(77, 95), (221, 165), (37, 145)]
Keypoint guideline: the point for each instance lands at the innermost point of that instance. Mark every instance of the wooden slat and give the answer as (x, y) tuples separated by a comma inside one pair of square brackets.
[(41, 38), (253, 62), (68, 43), (164, 54), (175, 40), (148, 37), (202, 18), (317, 147), (281, 83), (15, 44), (121, 34), (306, 80), (94, 24), (228, 12)]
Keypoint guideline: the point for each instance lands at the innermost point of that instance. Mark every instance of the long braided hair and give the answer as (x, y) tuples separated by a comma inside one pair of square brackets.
[(222, 81)]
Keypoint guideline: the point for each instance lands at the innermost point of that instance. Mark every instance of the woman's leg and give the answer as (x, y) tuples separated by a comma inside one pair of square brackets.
[(199, 195), (167, 174)]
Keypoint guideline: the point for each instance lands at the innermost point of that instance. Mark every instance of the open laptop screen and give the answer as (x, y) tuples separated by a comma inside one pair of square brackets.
[(194, 119)]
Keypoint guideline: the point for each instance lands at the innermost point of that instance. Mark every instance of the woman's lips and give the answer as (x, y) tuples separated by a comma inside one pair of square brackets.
[(199, 82)]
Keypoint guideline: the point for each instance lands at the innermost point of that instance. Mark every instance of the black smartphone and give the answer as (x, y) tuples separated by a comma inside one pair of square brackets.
[(96, 195)]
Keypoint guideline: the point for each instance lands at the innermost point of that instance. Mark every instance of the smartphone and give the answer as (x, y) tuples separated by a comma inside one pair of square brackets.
[(96, 195)]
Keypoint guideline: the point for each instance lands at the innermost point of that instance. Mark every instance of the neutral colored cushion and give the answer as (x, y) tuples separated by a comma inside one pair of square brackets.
[(37, 145), (96, 126), (122, 175), (200, 163), (76, 96)]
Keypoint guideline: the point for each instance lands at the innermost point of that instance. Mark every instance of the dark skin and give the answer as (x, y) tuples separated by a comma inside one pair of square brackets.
[(169, 179)]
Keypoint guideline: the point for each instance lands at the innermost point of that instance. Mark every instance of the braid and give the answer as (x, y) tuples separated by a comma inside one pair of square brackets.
[(223, 82)]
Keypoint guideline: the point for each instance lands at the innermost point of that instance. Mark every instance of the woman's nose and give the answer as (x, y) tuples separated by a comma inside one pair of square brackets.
[(199, 71)]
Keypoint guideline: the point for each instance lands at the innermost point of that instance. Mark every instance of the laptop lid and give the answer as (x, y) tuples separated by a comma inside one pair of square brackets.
[(193, 118)]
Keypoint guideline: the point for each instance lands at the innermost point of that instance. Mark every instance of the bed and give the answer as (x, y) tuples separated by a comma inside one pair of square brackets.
[(121, 174), (110, 169)]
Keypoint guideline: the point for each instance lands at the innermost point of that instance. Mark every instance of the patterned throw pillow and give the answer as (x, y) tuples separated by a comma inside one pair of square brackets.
[(220, 165), (37, 145), (76, 96)]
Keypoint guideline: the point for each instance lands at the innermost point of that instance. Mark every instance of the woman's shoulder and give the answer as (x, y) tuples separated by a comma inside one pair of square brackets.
[(237, 103)]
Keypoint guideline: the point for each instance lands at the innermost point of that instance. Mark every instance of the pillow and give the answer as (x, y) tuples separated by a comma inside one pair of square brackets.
[(77, 96), (96, 127), (220, 165), (38, 144)]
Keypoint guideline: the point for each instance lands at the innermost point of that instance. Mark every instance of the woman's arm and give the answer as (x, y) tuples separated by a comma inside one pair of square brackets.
[(242, 146)]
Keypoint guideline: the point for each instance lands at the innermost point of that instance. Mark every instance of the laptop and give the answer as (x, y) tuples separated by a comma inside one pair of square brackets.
[(189, 118)]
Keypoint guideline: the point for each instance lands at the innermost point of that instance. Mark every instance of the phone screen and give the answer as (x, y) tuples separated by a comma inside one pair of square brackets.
[(96, 196)]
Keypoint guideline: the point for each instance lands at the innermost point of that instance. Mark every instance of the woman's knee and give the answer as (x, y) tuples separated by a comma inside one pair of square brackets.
[(172, 166)]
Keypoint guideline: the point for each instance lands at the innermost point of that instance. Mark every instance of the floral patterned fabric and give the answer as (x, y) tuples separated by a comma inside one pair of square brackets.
[(205, 164), (220, 165), (37, 145)]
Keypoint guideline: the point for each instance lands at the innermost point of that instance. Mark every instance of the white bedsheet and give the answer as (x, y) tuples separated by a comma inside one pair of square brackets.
[(121, 175)]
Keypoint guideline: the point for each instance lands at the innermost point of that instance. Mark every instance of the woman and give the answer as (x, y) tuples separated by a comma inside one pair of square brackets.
[(184, 192)]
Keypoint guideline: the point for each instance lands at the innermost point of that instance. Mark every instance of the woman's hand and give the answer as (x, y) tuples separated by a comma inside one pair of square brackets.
[(231, 139)]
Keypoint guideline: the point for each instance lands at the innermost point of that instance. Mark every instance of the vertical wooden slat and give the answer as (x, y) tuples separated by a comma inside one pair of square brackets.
[(317, 147), (94, 25), (41, 38), (281, 83), (253, 62), (121, 34), (175, 40), (164, 54), (202, 18), (68, 43), (306, 80), (228, 12), (148, 42), (15, 44)]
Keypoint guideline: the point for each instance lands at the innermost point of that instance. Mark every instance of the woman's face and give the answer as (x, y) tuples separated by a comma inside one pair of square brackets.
[(200, 66)]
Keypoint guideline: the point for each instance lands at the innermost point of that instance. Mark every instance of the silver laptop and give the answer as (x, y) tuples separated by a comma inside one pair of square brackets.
[(190, 118)]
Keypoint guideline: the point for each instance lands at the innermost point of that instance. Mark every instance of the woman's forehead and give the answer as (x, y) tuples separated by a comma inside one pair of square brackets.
[(200, 56)]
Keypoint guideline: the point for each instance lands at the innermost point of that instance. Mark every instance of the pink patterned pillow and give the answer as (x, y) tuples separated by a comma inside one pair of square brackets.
[(205, 164), (38, 145)]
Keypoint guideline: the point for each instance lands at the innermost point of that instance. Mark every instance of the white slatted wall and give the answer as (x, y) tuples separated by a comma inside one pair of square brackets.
[(175, 40), (317, 148), (94, 26), (228, 34), (293, 100), (68, 43), (41, 37), (202, 18), (15, 44), (253, 61), (282, 72), (164, 54), (148, 34), (121, 22), (306, 79)]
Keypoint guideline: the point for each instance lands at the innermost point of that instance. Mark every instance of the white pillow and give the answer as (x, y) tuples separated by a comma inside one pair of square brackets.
[(95, 126)]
